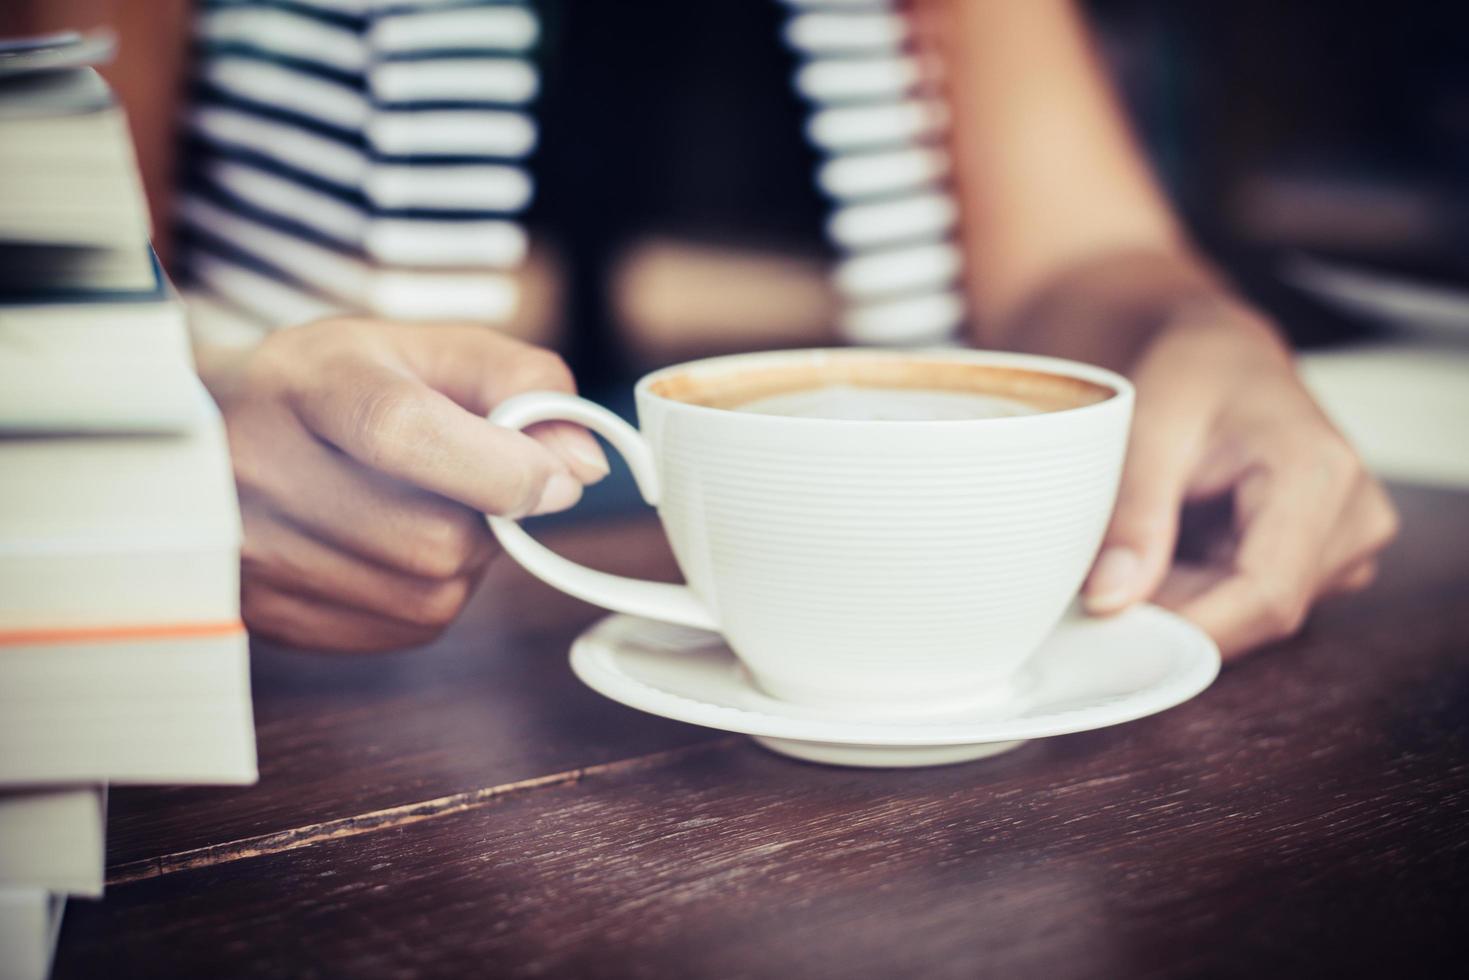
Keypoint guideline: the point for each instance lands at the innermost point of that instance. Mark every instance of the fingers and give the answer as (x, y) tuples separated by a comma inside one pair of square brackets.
[(1162, 452), (479, 368), (396, 424), (1353, 579), (1287, 512), (364, 464), (279, 555), (353, 509), (308, 623), (1185, 582), (1368, 524)]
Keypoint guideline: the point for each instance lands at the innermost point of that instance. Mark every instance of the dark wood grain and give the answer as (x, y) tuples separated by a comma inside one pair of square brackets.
[(1307, 815), (492, 702)]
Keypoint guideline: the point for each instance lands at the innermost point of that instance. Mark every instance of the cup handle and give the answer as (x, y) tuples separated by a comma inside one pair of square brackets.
[(655, 600)]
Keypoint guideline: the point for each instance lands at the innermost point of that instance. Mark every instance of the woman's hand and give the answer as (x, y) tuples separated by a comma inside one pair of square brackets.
[(1073, 250), (364, 463), (1276, 508)]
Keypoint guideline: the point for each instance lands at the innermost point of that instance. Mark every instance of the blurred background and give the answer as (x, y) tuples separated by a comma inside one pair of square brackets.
[(1298, 140), (1317, 151)]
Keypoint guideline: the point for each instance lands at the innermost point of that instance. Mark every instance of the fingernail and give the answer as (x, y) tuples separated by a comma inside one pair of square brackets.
[(1113, 580), (584, 450), (562, 490)]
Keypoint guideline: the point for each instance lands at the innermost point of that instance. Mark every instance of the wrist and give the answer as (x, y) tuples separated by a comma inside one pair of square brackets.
[(1114, 309), (1222, 330)]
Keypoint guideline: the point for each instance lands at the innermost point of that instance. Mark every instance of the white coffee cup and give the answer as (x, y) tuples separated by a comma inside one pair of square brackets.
[(880, 563)]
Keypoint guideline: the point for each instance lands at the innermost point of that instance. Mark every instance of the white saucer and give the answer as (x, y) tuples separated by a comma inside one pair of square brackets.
[(1090, 673)]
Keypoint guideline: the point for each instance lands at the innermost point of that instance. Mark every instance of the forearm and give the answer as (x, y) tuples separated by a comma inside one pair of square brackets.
[(1073, 250), (1071, 246)]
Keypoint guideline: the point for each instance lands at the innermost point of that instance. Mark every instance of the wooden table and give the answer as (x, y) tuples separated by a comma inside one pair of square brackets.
[(471, 809)]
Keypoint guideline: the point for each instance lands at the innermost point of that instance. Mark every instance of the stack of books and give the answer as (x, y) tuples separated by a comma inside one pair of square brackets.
[(122, 657)]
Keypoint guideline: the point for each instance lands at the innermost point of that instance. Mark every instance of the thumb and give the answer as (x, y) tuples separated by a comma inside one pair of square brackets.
[(1165, 446)]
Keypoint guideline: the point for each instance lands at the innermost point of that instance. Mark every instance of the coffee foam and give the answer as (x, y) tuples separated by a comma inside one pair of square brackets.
[(886, 404), (739, 387)]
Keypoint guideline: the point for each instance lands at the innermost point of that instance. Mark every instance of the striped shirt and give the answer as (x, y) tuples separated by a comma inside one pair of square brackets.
[(363, 156), (875, 116), (370, 156)]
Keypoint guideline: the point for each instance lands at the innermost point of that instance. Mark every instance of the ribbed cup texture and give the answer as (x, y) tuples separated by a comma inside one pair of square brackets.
[(885, 561)]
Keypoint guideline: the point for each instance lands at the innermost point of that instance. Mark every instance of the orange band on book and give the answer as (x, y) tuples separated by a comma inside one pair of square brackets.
[(114, 634)]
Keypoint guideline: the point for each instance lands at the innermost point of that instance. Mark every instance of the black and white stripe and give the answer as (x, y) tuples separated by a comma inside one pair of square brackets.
[(881, 132), (369, 156), (360, 156)]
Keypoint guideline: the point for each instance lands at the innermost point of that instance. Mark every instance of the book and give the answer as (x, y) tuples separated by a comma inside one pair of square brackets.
[(156, 706), (118, 532), (122, 657), (30, 923), (42, 272), (54, 839), (54, 51), (91, 336), (66, 162), (122, 654), (79, 361)]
